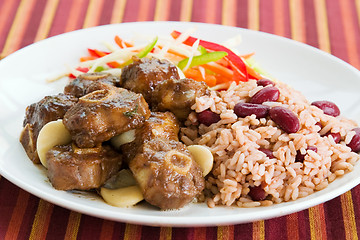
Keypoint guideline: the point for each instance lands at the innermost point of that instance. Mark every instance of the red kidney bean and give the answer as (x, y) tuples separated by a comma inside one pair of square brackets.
[(336, 136), (300, 157), (257, 193), (268, 94), (354, 144), (286, 119), (264, 82), (268, 152), (247, 109), (208, 117), (329, 108)]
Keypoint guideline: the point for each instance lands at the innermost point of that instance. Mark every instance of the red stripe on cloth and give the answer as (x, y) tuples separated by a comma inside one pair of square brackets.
[(62, 14), (17, 215), (85, 232), (7, 14), (242, 14), (59, 220), (175, 8), (267, 16), (35, 19), (151, 10), (132, 12), (279, 18), (199, 233), (336, 30), (151, 233), (211, 233), (199, 10), (292, 226), (351, 29), (303, 223), (276, 229), (334, 218), (287, 23), (107, 230), (356, 201), (77, 15), (202, 8), (310, 23), (243, 231), (119, 230), (7, 204), (217, 12), (281, 15), (29, 216), (105, 17)]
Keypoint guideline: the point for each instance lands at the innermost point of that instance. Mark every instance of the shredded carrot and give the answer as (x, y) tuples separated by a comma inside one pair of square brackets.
[(173, 57), (100, 53), (195, 74), (246, 56), (220, 79), (174, 52), (253, 73), (114, 64), (87, 58), (223, 62), (121, 43), (219, 69)]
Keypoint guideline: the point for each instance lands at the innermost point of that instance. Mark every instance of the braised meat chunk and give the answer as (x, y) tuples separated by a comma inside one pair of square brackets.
[(160, 125), (50, 108), (144, 74), (103, 114), (70, 167), (177, 96), (163, 167), (78, 86)]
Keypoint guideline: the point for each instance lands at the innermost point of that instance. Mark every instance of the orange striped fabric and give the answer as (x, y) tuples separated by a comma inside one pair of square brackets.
[(330, 25)]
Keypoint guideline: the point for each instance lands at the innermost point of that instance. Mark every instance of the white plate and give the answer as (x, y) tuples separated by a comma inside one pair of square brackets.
[(317, 74)]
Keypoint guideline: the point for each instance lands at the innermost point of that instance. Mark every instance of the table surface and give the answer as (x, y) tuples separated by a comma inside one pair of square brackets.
[(330, 25)]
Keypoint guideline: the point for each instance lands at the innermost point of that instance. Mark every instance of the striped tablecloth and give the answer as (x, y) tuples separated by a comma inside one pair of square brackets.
[(330, 25)]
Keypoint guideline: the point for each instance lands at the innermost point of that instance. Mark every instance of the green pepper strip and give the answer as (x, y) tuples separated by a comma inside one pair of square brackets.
[(202, 50), (202, 59), (99, 69), (143, 52)]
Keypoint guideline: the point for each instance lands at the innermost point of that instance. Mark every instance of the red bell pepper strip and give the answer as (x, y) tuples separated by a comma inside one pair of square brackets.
[(97, 53), (237, 63), (81, 69)]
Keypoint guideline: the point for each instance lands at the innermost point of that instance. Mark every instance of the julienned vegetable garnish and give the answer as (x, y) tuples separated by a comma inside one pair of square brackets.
[(235, 61), (201, 60), (143, 53)]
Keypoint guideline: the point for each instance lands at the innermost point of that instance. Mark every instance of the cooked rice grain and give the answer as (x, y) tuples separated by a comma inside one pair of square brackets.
[(238, 164)]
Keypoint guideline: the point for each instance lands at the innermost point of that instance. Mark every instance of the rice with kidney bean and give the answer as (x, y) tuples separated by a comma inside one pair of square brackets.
[(257, 160)]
